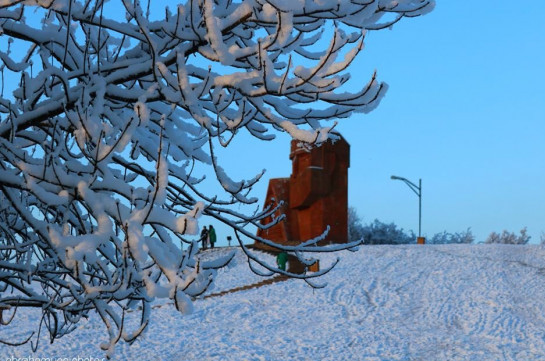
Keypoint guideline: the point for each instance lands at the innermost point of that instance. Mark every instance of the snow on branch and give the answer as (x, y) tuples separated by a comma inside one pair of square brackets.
[(109, 112)]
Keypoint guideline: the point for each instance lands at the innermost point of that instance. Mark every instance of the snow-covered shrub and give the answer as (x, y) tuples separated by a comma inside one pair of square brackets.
[(109, 115), (507, 237), (446, 237), (378, 232)]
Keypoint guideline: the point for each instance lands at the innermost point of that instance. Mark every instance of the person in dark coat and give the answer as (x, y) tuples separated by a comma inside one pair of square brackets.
[(204, 237), (212, 236), (281, 260)]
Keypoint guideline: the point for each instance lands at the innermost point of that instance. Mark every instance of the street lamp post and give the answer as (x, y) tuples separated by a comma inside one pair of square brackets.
[(418, 190)]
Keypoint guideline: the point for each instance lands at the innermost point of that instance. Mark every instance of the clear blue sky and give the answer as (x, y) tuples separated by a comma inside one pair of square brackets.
[(465, 112)]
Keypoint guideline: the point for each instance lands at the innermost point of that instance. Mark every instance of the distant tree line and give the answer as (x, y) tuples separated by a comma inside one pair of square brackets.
[(378, 232), (509, 237)]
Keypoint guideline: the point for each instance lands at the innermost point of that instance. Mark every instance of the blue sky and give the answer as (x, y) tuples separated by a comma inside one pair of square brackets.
[(465, 112)]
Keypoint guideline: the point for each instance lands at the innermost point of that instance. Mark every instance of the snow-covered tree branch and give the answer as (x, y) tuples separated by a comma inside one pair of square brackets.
[(108, 113)]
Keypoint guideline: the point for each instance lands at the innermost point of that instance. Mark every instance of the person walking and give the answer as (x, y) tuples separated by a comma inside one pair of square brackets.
[(212, 235), (204, 238)]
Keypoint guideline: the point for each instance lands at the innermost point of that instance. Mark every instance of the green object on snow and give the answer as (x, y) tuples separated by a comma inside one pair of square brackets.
[(281, 260)]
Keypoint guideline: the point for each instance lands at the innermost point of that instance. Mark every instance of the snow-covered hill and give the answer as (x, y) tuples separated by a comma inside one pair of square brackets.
[(451, 302)]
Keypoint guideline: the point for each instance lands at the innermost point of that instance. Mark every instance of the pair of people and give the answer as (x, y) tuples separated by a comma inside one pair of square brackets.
[(208, 236)]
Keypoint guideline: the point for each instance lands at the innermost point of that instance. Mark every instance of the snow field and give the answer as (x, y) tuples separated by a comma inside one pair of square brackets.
[(448, 302)]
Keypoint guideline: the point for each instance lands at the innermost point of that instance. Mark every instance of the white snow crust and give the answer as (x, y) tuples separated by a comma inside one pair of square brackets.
[(448, 302)]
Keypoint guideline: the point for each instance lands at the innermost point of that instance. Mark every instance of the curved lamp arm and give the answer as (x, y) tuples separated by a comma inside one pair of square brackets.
[(417, 189)]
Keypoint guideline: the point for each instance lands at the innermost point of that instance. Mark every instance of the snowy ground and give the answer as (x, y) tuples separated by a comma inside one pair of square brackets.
[(452, 302)]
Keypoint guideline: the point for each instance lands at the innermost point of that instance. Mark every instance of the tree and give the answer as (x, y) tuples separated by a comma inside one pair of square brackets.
[(508, 237), (355, 227), (110, 111), (376, 232), (384, 233)]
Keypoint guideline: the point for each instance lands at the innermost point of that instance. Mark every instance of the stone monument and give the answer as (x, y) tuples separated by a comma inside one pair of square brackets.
[(315, 196)]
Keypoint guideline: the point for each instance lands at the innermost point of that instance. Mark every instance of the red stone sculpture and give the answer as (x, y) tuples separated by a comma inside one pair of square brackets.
[(315, 195)]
